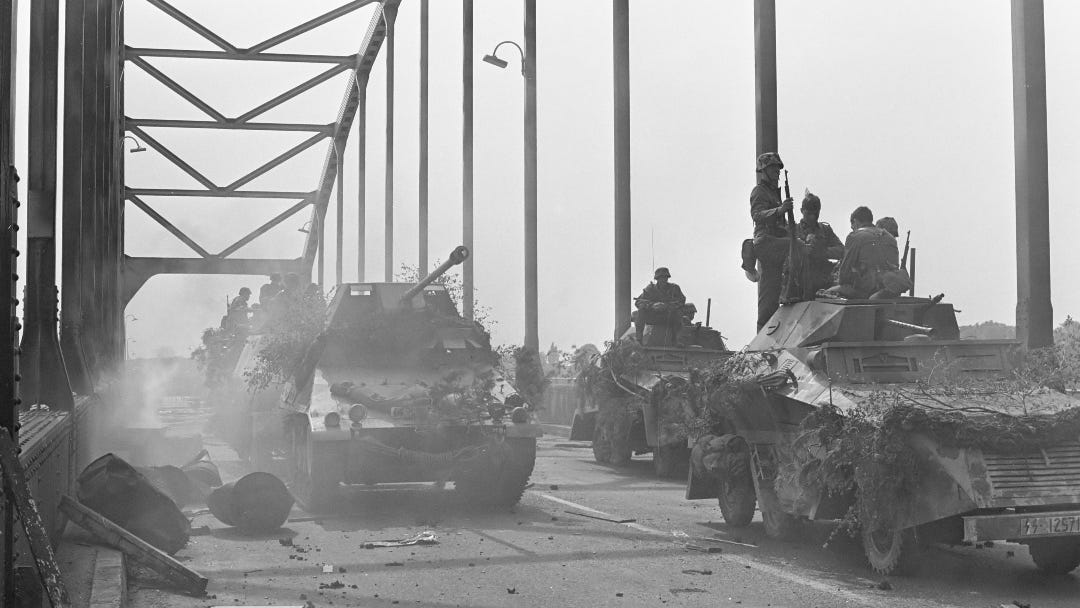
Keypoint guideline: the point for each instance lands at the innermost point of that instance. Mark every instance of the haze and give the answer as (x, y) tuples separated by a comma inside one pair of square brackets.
[(905, 107)]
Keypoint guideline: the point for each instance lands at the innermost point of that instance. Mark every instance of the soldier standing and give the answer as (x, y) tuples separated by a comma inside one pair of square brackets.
[(771, 235), (822, 246)]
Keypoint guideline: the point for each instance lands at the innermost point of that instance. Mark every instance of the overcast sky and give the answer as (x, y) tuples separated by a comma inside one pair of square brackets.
[(902, 106)]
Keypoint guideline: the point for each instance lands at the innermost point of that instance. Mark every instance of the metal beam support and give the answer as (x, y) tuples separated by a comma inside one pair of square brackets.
[(1034, 310), (765, 118), (167, 225), (261, 230), (130, 52), (9, 12), (388, 200), (532, 333), (361, 181), (220, 193), (72, 274), (44, 377), (621, 56), (276, 161), (325, 129), (369, 51), (339, 241), (193, 25), (175, 87), (307, 85), (163, 150), (307, 26), (423, 177), (137, 270), (468, 279)]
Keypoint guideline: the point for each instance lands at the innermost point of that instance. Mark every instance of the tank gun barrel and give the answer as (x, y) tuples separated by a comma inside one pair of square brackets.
[(457, 256)]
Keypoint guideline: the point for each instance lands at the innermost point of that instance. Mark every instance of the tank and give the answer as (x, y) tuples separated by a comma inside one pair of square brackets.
[(630, 396), (825, 365), (398, 387)]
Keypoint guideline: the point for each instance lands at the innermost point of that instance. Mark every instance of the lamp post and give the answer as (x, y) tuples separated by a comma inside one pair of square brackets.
[(528, 72), (138, 146)]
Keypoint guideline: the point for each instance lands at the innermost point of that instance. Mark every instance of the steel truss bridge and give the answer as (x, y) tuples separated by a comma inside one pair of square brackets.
[(64, 352)]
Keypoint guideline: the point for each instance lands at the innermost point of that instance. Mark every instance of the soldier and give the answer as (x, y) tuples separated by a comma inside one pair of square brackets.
[(271, 289), (871, 264), (237, 316), (889, 225), (770, 234), (822, 247), (660, 304)]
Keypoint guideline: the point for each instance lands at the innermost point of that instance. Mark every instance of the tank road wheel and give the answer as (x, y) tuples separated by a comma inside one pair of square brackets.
[(1055, 555), (670, 460), (737, 498), (890, 550), (500, 480)]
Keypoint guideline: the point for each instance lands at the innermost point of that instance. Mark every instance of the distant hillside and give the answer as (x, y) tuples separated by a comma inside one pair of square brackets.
[(987, 330)]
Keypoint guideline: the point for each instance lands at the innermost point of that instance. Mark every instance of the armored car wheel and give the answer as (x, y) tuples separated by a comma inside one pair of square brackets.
[(890, 550), (737, 499), (610, 445), (501, 481), (1055, 555), (670, 460)]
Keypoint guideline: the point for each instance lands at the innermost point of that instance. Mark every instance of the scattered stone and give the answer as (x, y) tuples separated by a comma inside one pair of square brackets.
[(511, 590), (341, 569), (989, 544), (702, 572), (285, 542), (618, 595), (554, 486), (1020, 604), (395, 564), (884, 585)]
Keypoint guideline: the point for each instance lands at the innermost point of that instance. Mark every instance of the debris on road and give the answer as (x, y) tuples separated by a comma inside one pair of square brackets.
[(427, 537), (884, 585), (554, 486), (703, 549), (702, 572), (257, 502), (138, 549), (611, 519), (117, 491), (328, 569), (511, 590), (285, 542), (394, 564)]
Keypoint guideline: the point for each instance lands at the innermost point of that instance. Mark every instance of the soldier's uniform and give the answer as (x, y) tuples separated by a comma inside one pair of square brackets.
[(770, 238), (871, 265), (823, 247), (668, 315)]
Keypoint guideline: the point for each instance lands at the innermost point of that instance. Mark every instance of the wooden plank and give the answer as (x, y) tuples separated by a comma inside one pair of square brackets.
[(135, 547), (19, 494)]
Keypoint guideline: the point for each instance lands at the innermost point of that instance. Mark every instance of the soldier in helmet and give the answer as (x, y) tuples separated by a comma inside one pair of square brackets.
[(888, 224), (870, 267), (767, 209), (660, 304), (822, 246)]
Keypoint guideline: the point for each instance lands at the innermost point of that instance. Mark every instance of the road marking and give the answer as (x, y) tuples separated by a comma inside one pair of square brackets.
[(830, 588)]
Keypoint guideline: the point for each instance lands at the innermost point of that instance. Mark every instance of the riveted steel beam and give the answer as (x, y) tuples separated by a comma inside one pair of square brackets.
[(237, 56), (193, 25), (167, 225), (307, 26), (238, 126)]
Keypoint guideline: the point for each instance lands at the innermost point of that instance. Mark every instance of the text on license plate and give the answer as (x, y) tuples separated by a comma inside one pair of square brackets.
[(1041, 526)]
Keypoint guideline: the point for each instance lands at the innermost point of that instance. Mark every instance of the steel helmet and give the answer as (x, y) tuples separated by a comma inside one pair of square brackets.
[(767, 159), (662, 272)]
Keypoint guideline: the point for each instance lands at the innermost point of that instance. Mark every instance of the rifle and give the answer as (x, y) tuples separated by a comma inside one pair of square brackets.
[(792, 240), (907, 247)]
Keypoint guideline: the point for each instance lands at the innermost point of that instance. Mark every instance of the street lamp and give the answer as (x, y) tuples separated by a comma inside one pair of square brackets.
[(494, 59), (138, 146), (528, 73)]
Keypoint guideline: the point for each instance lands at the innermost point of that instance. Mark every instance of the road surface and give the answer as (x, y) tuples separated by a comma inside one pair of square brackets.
[(548, 553)]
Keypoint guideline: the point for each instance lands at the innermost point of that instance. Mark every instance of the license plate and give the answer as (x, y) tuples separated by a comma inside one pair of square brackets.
[(1049, 526)]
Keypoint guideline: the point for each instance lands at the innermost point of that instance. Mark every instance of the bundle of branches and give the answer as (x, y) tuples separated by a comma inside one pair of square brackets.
[(713, 392), (287, 336), (219, 347), (603, 383), (529, 378), (867, 450)]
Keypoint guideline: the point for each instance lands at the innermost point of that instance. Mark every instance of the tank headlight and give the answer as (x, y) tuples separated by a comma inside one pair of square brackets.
[(357, 412), (519, 415), (332, 420)]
